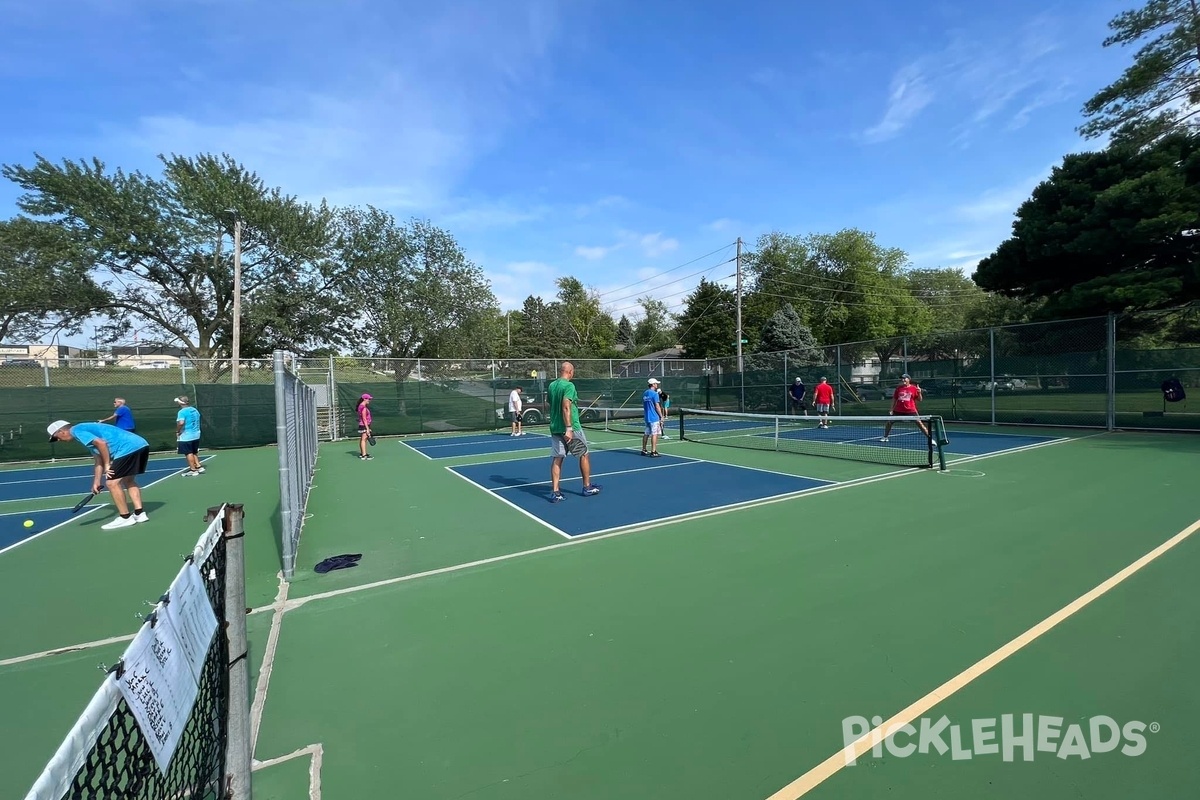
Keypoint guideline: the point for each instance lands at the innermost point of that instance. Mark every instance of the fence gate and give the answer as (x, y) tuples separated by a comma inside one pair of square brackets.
[(318, 373)]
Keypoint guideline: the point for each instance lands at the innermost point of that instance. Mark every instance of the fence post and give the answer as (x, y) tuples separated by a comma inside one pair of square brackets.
[(838, 379), (46, 371), (785, 382), (237, 715), (904, 349), (1111, 370), (992, 369)]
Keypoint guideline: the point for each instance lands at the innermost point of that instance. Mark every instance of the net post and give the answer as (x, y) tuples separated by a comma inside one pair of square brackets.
[(237, 726), (938, 439)]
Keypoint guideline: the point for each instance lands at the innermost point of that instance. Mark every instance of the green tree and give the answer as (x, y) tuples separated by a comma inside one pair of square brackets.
[(417, 294), (1160, 91), (590, 330), (154, 244), (708, 324), (656, 329), (44, 282), (1108, 231), (625, 333), (543, 332)]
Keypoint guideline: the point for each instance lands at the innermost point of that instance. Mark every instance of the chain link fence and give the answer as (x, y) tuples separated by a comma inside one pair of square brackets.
[(1102, 372)]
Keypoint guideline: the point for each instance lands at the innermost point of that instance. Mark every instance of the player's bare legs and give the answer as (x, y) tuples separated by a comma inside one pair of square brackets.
[(555, 473)]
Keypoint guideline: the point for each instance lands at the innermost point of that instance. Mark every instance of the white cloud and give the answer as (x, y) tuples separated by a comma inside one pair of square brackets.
[(592, 253), (515, 281), (722, 225), (655, 245), (908, 96), (979, 77)]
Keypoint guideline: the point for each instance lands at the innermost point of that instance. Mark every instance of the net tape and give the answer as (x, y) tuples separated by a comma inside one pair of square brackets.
[(864, 438), (106, 755)]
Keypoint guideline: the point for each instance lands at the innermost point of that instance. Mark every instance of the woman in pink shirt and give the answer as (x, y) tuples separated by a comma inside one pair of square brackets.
[(364, 426)]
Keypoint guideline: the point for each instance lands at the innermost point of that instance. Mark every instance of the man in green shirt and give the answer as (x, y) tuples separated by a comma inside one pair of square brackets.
[(566, 435)]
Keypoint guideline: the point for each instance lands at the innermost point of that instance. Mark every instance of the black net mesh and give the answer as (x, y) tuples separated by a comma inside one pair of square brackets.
[(121, 764)]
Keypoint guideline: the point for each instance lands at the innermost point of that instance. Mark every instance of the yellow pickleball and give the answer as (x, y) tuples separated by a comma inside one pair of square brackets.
[(28, 523)]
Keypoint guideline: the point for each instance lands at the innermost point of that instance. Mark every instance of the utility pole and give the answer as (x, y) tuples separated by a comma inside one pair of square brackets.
[(237, 294), (739, 304)]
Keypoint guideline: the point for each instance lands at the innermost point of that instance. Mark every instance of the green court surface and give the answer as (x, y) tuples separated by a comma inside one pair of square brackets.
[(477, 653)]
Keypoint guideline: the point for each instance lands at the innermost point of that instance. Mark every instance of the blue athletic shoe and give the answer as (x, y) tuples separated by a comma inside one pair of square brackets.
[(557, 497), (593, 489)]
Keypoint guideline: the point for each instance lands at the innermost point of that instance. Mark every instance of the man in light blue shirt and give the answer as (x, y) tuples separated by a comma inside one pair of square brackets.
[(120, 457), (187, 432), (652, 411)]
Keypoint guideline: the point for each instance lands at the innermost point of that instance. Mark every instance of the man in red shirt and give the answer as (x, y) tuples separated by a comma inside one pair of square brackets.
[(823, 398), (904, 404)]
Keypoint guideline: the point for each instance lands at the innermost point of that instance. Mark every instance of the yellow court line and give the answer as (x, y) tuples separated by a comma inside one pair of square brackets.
[(832, 765)]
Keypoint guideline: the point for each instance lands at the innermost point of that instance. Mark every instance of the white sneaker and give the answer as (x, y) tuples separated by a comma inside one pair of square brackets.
[(142, 517), (200, 470), (119, 522), (191, 474)]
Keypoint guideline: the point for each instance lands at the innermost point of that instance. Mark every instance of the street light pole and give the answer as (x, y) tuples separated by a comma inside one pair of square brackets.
[(237, 294)]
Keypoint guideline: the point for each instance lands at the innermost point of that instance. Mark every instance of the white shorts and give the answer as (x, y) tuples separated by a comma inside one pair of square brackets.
[(558, 444), (654, 428), (823, 408)]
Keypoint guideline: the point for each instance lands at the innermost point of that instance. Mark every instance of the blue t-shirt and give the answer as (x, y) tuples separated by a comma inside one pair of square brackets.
[(124, 418), (190, 417), (649, 400), (120, 443)]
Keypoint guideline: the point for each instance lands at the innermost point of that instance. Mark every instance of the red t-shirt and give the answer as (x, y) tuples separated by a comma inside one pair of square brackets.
[(823, 394), (904, 399)]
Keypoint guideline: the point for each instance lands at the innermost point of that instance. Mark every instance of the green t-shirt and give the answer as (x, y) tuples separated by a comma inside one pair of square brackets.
[(556, 391)]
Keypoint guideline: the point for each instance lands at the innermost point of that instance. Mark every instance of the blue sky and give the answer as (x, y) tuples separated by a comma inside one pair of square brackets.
[(612, 141)]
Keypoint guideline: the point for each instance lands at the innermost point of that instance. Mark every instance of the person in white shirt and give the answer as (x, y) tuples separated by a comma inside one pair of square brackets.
[(514, 411)]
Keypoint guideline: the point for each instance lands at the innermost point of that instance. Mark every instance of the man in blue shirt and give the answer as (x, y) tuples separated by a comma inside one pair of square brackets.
[(187, 432), (796, 393), (122, 415), (652, 411), (120, 457)]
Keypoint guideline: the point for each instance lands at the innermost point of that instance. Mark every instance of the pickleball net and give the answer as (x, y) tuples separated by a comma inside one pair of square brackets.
[(108, 753), (853, 438), (613, 420)]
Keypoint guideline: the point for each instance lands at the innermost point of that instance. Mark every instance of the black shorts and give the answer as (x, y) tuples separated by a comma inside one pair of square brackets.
[(130, 465), (189, 448)]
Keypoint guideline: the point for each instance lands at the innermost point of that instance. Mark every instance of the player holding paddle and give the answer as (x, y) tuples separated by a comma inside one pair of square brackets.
[(363, 412), (904, 404), (120, 457), (566, 434)]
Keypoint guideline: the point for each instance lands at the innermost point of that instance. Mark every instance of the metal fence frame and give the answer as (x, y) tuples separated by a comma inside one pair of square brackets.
[(296, 432)]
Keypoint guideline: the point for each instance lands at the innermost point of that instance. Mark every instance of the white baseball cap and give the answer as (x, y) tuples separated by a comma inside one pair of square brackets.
[(652, 380), (55, 427)]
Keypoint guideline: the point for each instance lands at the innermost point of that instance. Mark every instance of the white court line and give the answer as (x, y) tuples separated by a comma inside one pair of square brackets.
[(268, 663), (415, 450), (546, 455), (511, 504), (82, 514), (548, 481), (498, 437), (150, 467), (573, 541), (885, 730), (40, 534), (314, 751)]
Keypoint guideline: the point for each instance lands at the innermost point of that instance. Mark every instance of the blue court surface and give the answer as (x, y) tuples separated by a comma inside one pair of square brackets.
[(13, 530), (904, 435), (477, 445), (967, 443), (635, 489), (40, 482)]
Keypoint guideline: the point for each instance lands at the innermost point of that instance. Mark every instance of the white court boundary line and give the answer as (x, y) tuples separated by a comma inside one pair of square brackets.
[(169, 473), (595, 475), (71, 519), (282, 604), (885, 730), (510, 504)]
